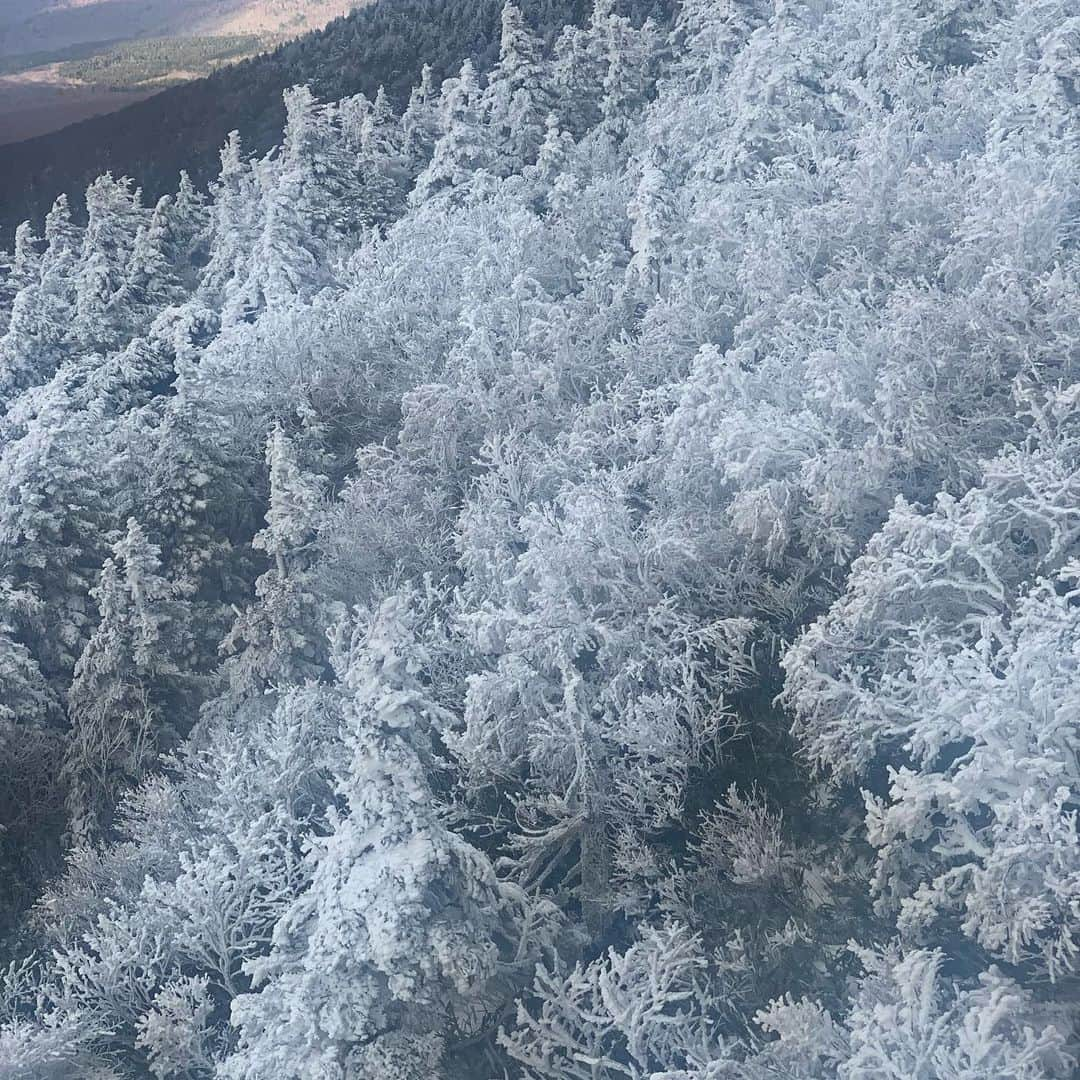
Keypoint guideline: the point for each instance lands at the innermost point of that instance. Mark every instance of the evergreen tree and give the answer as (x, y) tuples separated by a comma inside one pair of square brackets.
[(464, 144), (282, 263), (31, 749), (278, 639), (516, 99), (420, 123), (309, 198), (184, 491), (187, 221), (652, 222), (402, 917), (123, 684), (549, 175), (578, 70), (54, 521), (632, 56), (151, 282), (231, 225), (63, 238), (708, 36), (554, 152), (18, 270), (39, 317), (316, 157), (114, 217), (382, 163)]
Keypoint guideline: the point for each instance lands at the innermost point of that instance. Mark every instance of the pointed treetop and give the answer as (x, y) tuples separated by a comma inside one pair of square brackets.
[(295, 499)]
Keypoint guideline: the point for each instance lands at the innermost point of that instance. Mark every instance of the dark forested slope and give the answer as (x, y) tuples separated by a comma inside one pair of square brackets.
[(183, 128)]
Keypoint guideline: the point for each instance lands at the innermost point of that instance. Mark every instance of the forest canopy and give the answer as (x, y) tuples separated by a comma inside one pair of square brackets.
[(159, 60), (571, 574)]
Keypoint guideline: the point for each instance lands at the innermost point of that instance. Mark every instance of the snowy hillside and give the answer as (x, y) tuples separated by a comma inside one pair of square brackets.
[(577, 579)]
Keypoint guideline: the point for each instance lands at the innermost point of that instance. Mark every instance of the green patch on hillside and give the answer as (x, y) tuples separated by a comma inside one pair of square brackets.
[(15, 65), (134, 64)]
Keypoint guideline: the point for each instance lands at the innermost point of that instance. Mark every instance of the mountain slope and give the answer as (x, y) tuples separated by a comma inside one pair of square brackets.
[(31, 26), (64, 61), (577, 580), (183, 128)]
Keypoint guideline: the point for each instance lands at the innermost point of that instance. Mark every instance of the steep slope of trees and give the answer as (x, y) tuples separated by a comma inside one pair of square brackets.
[(383, 43), (571, 577)]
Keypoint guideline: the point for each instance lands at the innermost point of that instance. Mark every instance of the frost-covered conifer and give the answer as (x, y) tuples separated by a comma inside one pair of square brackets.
[(420, 123), (278, 639), (122, 683), (464, 145), (152, 280), (18, 270), (231, 227), (115, 215), (516, 98), (652, 220), (403, 920), (382, 162), (187, 219)]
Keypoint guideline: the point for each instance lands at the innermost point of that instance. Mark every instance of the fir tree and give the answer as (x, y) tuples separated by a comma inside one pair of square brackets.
[(516, 98), (277, 639), (18, 270), (114, 218), (231, 227), (420, 123), (401, 916), (464, 144), (123, 683)]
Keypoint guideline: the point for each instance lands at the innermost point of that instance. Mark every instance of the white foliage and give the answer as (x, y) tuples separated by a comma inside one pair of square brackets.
[(907, 1022), (630, 1015), (953, 657), (685, 353), (174, 1032)]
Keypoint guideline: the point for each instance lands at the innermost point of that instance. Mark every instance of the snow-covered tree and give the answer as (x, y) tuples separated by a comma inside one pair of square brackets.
[(187, 218), (646, 1012), (420, 123), (231, 226), (123, 682), (652, 219), (39, 325), (582, 57), (309, 197), (383, 160), (464, 145), (516, 98), (114, 215), (908, 1020), (152, 281), (278, 639), (400, 928), (31, 752), (54, 522), (18, 270), (949, 661)]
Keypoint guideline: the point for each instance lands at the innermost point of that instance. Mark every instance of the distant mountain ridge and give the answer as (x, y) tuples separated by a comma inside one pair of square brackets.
[(65, 61), (385, 43), (36, 26)]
